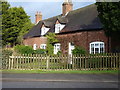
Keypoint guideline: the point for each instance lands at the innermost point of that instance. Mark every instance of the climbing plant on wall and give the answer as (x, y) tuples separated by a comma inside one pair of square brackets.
[(51, 39)]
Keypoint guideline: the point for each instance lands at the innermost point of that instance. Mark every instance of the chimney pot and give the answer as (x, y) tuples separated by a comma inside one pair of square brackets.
[(38, 17), (67, 6)]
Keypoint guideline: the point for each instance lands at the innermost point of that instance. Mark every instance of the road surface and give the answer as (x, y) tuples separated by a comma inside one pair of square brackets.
[(59, 80)]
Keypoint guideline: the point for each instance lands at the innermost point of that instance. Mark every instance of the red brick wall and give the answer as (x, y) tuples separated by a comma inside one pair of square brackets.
[(35, 40), (82, 39)]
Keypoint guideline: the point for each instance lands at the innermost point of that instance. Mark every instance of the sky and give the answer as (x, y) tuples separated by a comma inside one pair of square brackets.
[(48, 9)]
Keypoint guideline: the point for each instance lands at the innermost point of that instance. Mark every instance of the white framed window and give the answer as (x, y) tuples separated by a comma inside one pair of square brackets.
[(56, 48), (97, 47), (58, 27), (44, 30), (71, 47), (35, 46), (43, 46)]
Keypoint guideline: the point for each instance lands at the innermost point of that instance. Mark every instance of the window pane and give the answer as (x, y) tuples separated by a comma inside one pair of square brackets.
[(96, 50), (96, 45), (92, 45), (101, 45), (92, 50), (101, 50)]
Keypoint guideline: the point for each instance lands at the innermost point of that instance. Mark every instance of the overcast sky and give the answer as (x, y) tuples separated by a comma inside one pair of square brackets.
[(48, 9)]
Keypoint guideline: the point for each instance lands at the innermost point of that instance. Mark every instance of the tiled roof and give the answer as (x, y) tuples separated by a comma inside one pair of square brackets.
[(85, 18)]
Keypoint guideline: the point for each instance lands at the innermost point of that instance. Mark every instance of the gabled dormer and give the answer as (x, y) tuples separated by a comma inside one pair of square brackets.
[(58, 26), (44, 29)]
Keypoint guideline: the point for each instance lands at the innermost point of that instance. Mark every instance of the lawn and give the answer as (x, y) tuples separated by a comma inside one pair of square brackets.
[(60, 71)]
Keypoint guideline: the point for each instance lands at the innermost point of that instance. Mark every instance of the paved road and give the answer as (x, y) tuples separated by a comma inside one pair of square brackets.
[(60, 81)]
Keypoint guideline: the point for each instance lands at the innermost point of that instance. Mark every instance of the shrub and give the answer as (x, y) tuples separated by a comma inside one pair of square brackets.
[(49, 49), (59, 53), (51, 40), (7, 52), (5, 57), (40, 51), (21, 49), (79, 50)]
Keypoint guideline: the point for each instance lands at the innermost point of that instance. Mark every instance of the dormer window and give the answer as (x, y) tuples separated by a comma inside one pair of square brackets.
[(44, 30), (59, 27)]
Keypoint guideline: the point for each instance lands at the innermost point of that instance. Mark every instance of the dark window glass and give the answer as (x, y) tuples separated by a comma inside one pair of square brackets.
[(96, 50), (101, 50), (96, 44), (92, 50)]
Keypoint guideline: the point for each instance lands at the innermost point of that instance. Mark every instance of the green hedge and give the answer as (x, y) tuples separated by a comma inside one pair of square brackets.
[(79, 50), (21, 49), (40, 51)]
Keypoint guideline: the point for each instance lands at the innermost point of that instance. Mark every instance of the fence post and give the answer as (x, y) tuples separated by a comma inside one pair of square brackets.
[(118, 55), (12, 64), (73, 57), (47, 64), (117, 61), (9, 63)]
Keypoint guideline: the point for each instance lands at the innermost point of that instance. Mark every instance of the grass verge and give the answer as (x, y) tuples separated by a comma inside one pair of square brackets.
[(53, 71)]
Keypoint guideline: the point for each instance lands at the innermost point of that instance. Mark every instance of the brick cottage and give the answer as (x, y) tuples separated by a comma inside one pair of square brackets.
[(80, 27)]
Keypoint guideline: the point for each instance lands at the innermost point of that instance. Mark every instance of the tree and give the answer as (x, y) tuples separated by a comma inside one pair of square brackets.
[(26, 27), (51, 39), (4, 11), (15, 24), (109, 14)]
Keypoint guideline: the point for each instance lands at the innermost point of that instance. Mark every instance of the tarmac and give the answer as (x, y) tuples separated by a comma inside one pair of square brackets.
[(59, 80)]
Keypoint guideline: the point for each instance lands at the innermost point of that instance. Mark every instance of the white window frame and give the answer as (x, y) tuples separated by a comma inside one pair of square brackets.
[(71, 47), (34, 46), (59, 27), (97, 45), (56, 47), (44, 30), (43, 46)]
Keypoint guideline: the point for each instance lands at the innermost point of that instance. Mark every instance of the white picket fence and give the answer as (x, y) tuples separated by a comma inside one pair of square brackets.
[(107, 61)]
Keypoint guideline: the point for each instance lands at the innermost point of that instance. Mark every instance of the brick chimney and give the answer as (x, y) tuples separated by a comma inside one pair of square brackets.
[(38, 17), (67, 6)]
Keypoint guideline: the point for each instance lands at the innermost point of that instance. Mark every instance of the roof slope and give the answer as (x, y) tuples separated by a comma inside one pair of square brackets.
[(34, 31), (85, 18)]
